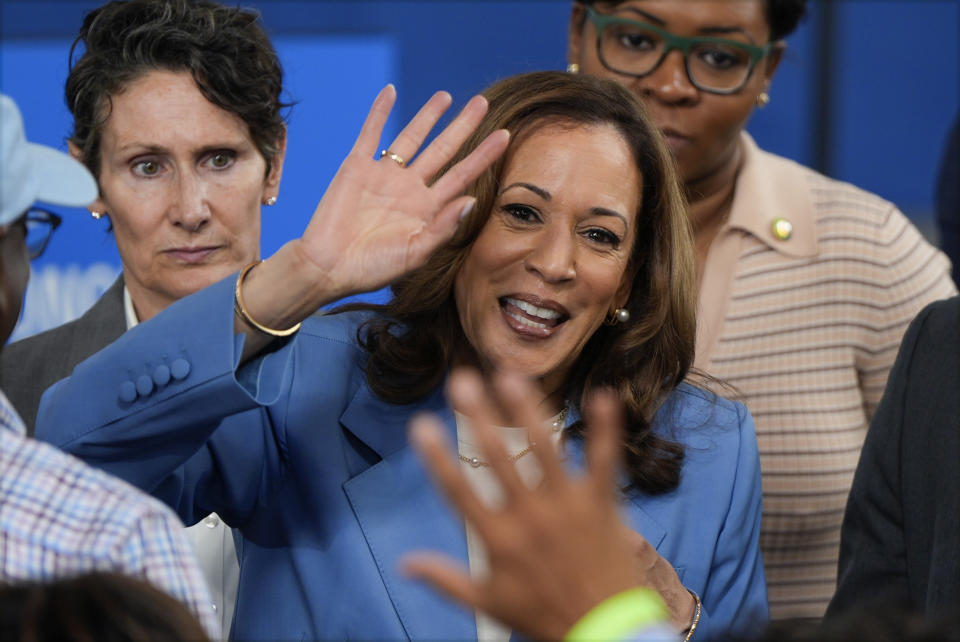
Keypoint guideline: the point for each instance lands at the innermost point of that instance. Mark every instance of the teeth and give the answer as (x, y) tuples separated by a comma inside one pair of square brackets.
[(531, 309), (527, 322)]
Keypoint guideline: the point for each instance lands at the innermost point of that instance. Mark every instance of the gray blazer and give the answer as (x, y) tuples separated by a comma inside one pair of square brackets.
[(29, 366)]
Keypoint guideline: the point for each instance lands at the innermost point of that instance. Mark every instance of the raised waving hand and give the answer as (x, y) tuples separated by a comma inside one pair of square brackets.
[(379, 218), (554, 551)]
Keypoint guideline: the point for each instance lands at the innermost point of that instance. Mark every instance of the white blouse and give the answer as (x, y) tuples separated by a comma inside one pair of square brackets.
[(488, 490)]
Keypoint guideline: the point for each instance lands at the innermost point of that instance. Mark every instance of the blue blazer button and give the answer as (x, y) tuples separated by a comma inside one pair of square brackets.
[(180, 368), (161, 376), (128, 392), (144, 385)]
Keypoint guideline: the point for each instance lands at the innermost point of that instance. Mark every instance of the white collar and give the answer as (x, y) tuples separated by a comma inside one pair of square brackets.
[(129, 313)]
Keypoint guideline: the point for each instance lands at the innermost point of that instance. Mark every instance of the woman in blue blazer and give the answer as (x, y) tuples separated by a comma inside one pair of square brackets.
[(569, 261)]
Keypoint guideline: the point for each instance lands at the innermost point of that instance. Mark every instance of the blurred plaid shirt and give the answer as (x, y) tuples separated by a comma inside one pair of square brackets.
[(60, 518)]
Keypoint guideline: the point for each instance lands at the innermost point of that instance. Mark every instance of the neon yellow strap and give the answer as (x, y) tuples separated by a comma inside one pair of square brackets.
[(619, 615)]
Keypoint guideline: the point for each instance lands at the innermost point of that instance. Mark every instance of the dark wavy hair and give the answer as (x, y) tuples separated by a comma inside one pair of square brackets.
[(226, 51), (413, 341), (96, 606), (783, 16)]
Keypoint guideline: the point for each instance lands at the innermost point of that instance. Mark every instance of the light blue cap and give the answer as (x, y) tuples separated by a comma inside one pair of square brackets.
[(31, 172)]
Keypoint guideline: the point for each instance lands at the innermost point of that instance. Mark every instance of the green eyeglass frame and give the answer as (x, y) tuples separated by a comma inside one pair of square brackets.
[(681, 43)]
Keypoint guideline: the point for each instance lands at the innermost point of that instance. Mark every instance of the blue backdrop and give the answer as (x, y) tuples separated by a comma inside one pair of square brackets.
[(866, 93)]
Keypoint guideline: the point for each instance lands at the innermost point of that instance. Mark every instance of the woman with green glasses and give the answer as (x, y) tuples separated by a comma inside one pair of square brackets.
[(806, 285)]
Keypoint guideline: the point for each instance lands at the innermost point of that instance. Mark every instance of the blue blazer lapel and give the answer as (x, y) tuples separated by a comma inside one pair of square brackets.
[(425, 522), (399, 511), (633, 513)]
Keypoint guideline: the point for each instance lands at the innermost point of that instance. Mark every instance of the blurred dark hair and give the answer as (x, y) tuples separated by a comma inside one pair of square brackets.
[(106, 607), (225, 50), (412, 345), (783, 16)]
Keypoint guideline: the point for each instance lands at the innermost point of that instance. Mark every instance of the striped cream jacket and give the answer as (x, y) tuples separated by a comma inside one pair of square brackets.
[(805, 330)]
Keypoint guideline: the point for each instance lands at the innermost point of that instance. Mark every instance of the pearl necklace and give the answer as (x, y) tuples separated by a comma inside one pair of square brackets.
[(558, 423)]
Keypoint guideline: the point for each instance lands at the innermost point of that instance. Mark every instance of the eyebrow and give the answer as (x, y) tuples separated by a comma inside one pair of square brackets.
[(151, 148), (703, 30), (539, 191), (725, 31), (649, 16), (602, 211), (146, 147), (545, 195)]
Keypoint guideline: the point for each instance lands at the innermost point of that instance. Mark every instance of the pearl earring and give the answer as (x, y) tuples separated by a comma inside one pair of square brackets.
[(620, 315), (270, 200), (763, 99), (96, 215)]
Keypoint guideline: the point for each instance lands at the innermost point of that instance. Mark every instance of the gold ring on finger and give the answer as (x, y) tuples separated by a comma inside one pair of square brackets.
[(396, 158)]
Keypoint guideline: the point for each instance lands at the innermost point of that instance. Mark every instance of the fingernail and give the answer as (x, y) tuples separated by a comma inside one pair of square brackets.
[(419, 431), (466, 385), (422, 431), (467, 208)]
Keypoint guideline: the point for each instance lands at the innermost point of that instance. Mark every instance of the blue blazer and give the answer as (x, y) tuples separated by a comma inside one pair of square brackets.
[(316, 473)]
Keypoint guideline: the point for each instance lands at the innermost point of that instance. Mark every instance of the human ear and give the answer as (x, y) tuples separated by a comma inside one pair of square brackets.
[(578, 17), (98, 205), (271, 185), (622, 297), (772, 61)]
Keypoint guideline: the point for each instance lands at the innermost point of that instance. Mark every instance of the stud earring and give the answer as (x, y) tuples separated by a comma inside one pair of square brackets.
[(620, 315), (270, 200), (96, 215), (763, 99), (573, 68)]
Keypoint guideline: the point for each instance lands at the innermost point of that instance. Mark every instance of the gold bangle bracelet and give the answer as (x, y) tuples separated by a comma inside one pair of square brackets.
[(241, 310), (696, 617)]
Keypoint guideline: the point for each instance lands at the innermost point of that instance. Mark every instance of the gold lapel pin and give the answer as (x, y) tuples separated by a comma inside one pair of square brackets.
[(782, 228)]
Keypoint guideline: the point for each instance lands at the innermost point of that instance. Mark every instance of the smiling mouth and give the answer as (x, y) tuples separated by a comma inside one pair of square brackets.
[(531, 319)]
